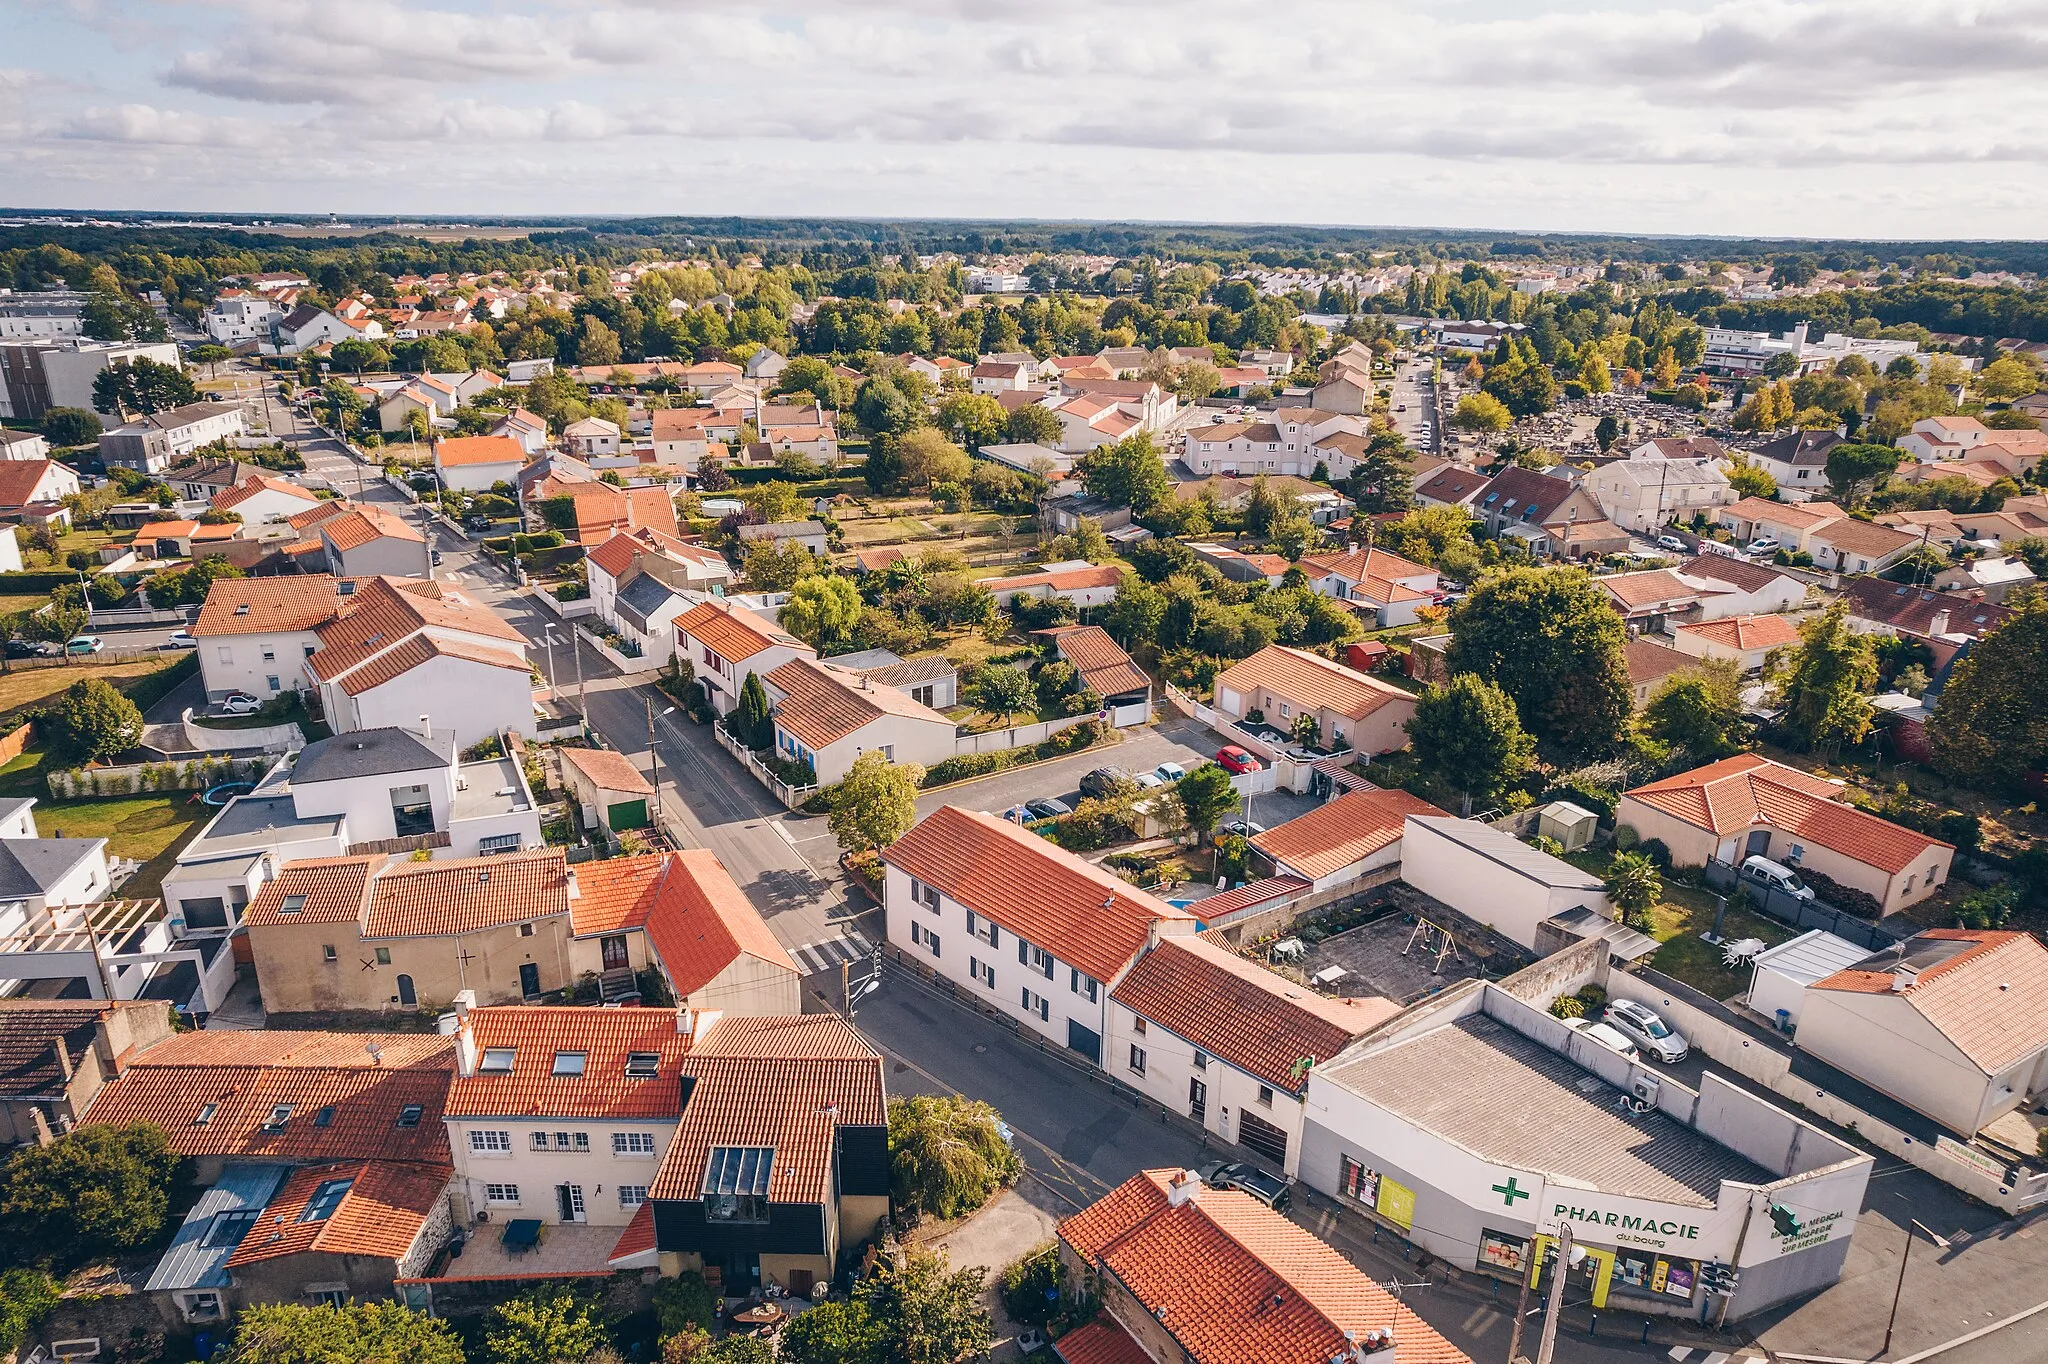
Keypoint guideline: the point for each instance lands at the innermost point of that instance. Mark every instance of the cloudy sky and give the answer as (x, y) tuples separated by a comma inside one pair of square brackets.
[(1878, 118)]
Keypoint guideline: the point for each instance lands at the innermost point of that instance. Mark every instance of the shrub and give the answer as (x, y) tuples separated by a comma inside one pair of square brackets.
[(1989, 908), (1626, 837), (26, 1297), (947, 1155), (683, 1303), (1840, 896), (1567, 1006), (1966, 831), (1656, 851), (1031, 1287)]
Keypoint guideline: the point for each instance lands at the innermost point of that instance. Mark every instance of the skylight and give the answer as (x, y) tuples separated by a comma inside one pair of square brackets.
[(326, 1199), (497, 1060), (570, 1062)]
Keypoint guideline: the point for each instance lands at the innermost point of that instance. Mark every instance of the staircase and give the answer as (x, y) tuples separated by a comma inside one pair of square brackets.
[(617, 983)]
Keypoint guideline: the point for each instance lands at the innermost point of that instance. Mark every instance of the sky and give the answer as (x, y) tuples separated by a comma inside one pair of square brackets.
[(1815, 118)]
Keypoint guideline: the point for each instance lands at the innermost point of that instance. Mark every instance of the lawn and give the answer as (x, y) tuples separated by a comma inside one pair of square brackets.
[(151, 829), (21, 687), (1678, 921)]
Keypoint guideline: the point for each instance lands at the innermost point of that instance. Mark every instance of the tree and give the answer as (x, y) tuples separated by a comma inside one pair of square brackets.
[(833, 1333), (1131, 472), (1821, 685), (947, 1154), (822, 609), (929, 1312), (1206, 795), (142, 385), (1633, 885), (210, 355), (876, 803), (1003, 691), (738, 1350), (543, 1326), (1605, 431), (598, 346), (64, 426), (1481, 412), (2004, 381), (1468, 735), (1034, 425), (1699, 710), (925, 457), (99, 1189), (360, 1333), (1751, 480), (26, 1297), (1990, 724), (973, 419), (750, 722), (1853, 469), (1379, 482), (93, 721), (777, 565), (1551, 640), (355, 355)]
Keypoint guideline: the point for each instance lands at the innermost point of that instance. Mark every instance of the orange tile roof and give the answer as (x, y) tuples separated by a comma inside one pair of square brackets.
[(1651, 588), (1746, 790), (734, 633), (336, 890), (1865, 537), (1066, 580), (616, 555), (313, 516), (1797, 515), (1346, 830), (1101, 1341), (383, 611), (1990, 1000), (381, 1215), (821, 705), (1235, 1281), (700, 922), (614, 894), (1311, 681), (214, 1094), (1361, 564), (1649, 662), (273, 605), (1104, 666), (455, 451), (608, 769), (537, 1032), (424, 649), (638, 1237), (1241, 1013), (1036, 891), (251, 486), (360, 525), (175, 530), (1745, 632), (464, 894)]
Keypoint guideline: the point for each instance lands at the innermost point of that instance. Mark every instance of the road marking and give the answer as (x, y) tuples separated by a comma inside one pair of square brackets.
[(827, 955)]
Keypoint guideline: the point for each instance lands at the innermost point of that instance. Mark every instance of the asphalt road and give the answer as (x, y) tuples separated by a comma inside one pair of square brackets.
[(1413, 394)]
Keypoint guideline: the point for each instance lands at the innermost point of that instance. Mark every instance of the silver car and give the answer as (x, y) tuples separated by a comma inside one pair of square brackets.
[(1651, 1034)]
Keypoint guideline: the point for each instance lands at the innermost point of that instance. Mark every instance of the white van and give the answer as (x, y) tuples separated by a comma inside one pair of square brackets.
[(1761, 871), (1716, 547)]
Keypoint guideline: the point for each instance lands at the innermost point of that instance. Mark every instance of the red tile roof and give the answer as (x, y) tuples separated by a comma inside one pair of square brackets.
[(699, 922), (1251, 893), (455, 451), (1104, 666), (1990, 1000), (363, 524), (1746, 790), (421, 649), (616, 555), (821, 704), (1065, 580), (1038, 892), (1360, 564), (1101, 1341), (249, 487), (608, 769), (381, 1215), (1243, 1014), (19, 479), (638, 1237), (462, 895), (383, 611), (1310, 681), (1346, 830), (734, 633), (1236, 1282), (254, 606), (334, 890), (313, 516), (605, 1037), (1653, 587), (1744, 633)]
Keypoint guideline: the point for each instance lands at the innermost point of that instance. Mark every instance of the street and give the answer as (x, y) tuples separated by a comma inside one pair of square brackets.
[(1410, 407)]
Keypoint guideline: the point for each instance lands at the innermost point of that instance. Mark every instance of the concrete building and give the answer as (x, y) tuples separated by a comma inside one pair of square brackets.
[(1494, 878), (42, 314), (151, 444), (1643, 495), (59, 1055), (37, 375)]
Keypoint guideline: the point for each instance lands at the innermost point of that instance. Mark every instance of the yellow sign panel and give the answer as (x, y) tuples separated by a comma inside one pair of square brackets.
[(1596, 1270), (1396, 1203)]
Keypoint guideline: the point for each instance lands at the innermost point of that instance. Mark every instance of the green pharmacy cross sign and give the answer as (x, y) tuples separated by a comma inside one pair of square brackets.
[(1509, 1192)]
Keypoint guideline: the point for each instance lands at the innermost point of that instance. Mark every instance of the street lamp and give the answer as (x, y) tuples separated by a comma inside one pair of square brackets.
[(547, 638), (1913, 1225)]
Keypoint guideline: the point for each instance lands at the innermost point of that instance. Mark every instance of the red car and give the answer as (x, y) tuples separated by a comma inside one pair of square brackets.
[(1235, 759)]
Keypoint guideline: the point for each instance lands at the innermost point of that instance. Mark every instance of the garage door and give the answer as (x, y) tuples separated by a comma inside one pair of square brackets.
[(1084, 1041), (1261, 1136), (627, 814)]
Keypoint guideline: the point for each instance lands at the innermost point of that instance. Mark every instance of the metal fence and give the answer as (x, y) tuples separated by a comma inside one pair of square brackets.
[(1801, 914)]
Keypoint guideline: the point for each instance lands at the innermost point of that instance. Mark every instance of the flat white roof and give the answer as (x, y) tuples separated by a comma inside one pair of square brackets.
[(1813, 955)]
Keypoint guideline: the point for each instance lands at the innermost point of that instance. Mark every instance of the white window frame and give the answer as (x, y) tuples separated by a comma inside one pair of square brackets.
[(632, 1195), (633, 1144), (501, 1195), (495, 1142)]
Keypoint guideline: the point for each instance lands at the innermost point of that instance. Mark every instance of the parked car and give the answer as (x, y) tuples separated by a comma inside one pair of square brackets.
[(181, 639), (434, 556), (478, 522), (1235, 1174), (1103, 781), (1602, 1034), (1642, 1026), (84, 644), (1243, 828), (22, 648), (1763, 544), (1761, 871), (1149, 781), (1169, 772), (1049, 808), (1236, 760), (1672, 543), (240, 703)]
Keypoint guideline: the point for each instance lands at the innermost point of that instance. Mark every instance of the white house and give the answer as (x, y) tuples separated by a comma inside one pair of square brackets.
[(1028, 928), (685, 567), (263, 501), (307, 326), (256, 633), (591, 437), (1797, 461), (828, 717), (522, 426), (238, 316), (477, 463), (1493, 877), (724, 642), (1384, 585), (1641, 494), (1944, 438), (1079, 581), (392, 783), (1746, 641)]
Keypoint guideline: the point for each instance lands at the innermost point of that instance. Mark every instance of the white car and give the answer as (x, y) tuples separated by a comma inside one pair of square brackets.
[(240, 703), (1671, 542), (1602, 1034), (1641, 1025), (1169, 772), (181, 639), (1763, 544), (1150, 781)]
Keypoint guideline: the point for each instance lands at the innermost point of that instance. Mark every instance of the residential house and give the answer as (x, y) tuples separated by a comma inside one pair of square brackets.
[(151, 444), (1745, 588), (1375, 582), (991, 377), (208, 478), (1343, 388), (1649, 664), (681, 915), (1453, 485), (1944, 438), (404, 790), (424, 395), (928, 679), (764, 365), (812, 535), (1748, 806), (827, 717), (1539, 509), (1191, 1274), (523, 427), (368, 539), (682, 566), (1646, 493), (1991, 577), (255, 633), (56, 1055), (1238, 567), (237, 316), (1658, 596), (23, 445), (35, 489), (1953, 1023), (1797, 461), (591, 437), (684, 437), (1105, 669), (1746, 641), (1323, 505), (811, 432), (1029, 929), (1091, 420), (596, 509), (1205, 1033), (1077, 580), (264, 501), (1852, 546), (1943, 621), (1026, 457), (1790, 524), (724, 642), (306, 327), (475, 464), (1067, 505), (1340, 843), (1279, 685)]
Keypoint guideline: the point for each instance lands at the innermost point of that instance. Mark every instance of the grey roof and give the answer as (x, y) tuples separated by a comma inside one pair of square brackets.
[(866, 659), (372, 753), (646, 594), (253, 823), (1807, 448), (1813, 955), (911, 671), (30, 866), (13, 437), (13, 806), (243, 1187), (1517, 1103), (1623, 942), (1508, 851)]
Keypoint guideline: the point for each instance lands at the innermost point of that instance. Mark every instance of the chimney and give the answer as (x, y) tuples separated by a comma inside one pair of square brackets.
[(1183, 1188), (465, 1040), (685, 1022), (63, 1057), (575, 890), (1939, 625), (426, 728)]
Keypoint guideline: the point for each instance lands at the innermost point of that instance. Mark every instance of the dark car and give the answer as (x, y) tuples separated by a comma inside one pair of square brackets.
[(1249, 1179), (21, 648), (479, 522), (1049, 808), (1104, 781)]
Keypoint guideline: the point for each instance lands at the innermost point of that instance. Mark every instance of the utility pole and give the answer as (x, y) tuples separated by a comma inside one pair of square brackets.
[(1554, 1305), (1522, 1304)]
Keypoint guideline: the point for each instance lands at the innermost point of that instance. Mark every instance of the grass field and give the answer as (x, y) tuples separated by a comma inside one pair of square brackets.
[(21, 687), (151, 829)]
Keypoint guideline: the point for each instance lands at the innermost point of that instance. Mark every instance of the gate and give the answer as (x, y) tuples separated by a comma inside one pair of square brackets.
[(1256, 1134)]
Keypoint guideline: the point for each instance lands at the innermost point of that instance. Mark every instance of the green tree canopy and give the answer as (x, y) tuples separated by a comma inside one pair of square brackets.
[(1206, 796), (1853, 469), (1481, 412), (1699, 710), (547, 1325), (876, 803), (2003, 381), (1990, 724), (98, 1189), (834, 1333), (822, 609), (1131, 472), (947, 1156), (929, 1312), (750, 721), (1034, 425), (93, 721), (777, 565), (142, 386), (360, 1333), (1549, 638), (26, 1297), (1003, 690), (1822, 684), (1633, 885), (1468, 735), (63, 426), (1751, 480)]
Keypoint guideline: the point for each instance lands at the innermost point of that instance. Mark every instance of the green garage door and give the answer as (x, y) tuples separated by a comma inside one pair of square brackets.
[(627, 814)]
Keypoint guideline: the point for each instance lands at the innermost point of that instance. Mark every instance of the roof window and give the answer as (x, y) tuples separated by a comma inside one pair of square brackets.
[(642, 1065), (279, 1116), (292, 904), (410, 1115), (325, 1117), (242, 609), (326, 1199), (206, 1112), (497, 1060), (570, 1062)]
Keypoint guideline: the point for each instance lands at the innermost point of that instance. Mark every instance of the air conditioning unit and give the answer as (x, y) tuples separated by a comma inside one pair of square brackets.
[(1642, 1091)]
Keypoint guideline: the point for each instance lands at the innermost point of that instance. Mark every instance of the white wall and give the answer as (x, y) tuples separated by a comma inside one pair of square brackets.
[(1885, 1042), (538, 1172), (238, 662), (366, 801), (475, 478), (1483, 889), (1170, 1066), (473, 699), (905, 739)]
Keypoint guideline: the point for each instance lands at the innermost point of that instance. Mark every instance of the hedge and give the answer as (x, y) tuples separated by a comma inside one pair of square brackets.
[(34, 582), (967, 765)]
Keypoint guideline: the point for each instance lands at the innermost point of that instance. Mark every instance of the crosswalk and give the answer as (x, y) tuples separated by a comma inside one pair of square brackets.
[(826, 955), (1681, 1354)]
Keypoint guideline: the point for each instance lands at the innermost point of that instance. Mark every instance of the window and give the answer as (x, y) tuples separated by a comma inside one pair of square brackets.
[(1137, 1058), (1201, 1060), (736, 1183), (326, 1199), (982, 972), (632, 1195), (227, 655), (502, 1194), (1909, 885), (327, 952), (497, 1061), (1798, 851), (925, 895), (570, 1062), (642, 1065), (337, 1298), (291, 904), (573, 1141), (502, 843), (1040, 961), (229, 1228), (383, 956), (1137, 1025), (983, 929), (490, 1143), (206, 1112), (1266, 1095), (273, 684), (410, 1115), (540, 1141), (632, 1143), (269, 654), (1083, 985), (1286, 711), (279, 1116), (925, 938), (1037, 1004), (325, 1117)]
